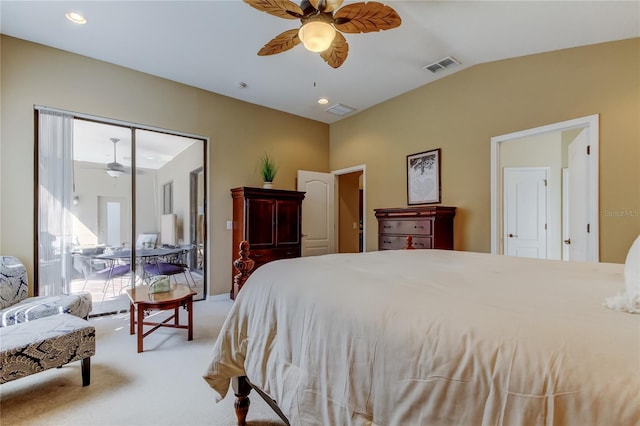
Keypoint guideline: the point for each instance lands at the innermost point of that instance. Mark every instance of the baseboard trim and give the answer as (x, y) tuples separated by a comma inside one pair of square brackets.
[(218, 297)]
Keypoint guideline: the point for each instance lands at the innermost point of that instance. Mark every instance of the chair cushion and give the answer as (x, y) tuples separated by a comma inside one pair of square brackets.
[(109, 272), (163, 268), (50, 342), (31, 308)]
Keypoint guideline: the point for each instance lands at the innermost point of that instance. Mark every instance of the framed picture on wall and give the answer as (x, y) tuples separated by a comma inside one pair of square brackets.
[(423, 177)]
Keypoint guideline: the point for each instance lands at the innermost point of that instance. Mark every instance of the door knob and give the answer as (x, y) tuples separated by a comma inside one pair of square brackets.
[(567, 241), (513, 236)]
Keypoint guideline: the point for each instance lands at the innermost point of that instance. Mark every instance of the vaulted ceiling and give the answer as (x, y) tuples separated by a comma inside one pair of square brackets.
[(213, 44)]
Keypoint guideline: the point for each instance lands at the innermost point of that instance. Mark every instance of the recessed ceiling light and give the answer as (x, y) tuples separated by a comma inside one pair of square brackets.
[(323, 101), (76, 18)]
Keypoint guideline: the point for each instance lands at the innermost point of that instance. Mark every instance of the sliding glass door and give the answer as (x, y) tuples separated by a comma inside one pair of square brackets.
[(114, 204), (163, 207)]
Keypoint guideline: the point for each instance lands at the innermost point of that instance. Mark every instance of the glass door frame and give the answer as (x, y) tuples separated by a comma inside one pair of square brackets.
[(132, 208)]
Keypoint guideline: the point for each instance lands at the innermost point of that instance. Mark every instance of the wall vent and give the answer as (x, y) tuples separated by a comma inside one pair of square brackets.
[(442, 64), (340, 109)]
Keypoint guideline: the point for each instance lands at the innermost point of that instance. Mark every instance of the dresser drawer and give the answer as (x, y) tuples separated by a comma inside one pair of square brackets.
[(407, 227), (396, 242)]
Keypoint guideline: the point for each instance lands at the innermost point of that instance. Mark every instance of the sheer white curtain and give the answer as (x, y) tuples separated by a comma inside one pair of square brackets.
[(55, 198)]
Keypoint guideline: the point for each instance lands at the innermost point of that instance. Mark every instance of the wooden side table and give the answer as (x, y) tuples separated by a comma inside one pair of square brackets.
[(143, 302)]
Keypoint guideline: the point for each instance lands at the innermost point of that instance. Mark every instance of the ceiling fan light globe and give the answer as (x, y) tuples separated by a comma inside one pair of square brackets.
[(317, 36)]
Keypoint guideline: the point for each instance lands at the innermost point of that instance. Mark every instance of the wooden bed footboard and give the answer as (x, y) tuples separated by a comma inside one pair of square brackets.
[(241, 385)]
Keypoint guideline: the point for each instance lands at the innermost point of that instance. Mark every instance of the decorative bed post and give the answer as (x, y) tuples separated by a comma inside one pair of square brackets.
[(241, 387), (244, 265)]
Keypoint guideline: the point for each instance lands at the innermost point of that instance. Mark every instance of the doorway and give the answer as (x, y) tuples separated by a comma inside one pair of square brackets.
[(321, 229), (570, 145), (350, 211)]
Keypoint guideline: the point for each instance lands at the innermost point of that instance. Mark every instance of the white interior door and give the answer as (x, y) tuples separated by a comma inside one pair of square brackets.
[(113, 226), (318, 212), (525, 211), (577, 238), (565, 213)]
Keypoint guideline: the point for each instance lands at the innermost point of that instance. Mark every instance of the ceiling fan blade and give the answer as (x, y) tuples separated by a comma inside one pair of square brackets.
[(281, 43), (337, 53), (366, 18), (326, 5), (281, 8)]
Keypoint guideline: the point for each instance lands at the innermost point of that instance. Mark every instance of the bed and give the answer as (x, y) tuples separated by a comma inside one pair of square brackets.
[(432, 337)]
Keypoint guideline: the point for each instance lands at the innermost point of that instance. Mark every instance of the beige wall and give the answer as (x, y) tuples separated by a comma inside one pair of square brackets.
[(460, 113), (238, 134)]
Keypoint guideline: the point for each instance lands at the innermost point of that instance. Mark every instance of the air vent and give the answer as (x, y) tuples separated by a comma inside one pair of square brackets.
[(340, 109), (442, 64)]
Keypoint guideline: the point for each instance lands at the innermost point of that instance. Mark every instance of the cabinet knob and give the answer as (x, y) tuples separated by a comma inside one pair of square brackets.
[(513, 236), (567, 241)]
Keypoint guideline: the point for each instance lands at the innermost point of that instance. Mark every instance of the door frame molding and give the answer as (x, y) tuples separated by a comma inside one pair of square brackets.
[(359, 168), (591, 124)]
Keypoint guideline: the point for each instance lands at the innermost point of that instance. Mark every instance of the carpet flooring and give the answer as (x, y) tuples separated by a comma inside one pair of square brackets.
[(161, 386)]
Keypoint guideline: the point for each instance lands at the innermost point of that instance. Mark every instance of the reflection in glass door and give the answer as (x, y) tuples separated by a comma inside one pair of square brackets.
[(163, 187)]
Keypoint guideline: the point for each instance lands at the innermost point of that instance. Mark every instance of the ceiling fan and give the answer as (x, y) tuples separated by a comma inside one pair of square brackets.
[(323, 22), (115, 169)]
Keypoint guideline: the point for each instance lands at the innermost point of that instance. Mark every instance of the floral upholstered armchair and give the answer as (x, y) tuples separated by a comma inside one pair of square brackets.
[(16, 307)]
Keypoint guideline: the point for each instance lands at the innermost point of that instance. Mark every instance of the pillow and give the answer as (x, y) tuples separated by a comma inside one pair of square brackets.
[(629, 299), (632, 270)]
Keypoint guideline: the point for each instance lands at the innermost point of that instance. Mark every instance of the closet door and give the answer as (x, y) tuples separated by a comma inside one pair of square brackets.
[(261, 219), (288, 223)]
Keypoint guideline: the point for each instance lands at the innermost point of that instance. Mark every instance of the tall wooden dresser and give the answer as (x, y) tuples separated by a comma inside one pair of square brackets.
[(270, 220), (431, 227)]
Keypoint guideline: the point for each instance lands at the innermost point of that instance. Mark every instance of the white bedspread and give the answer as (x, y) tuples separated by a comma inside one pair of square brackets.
[(430, 337)]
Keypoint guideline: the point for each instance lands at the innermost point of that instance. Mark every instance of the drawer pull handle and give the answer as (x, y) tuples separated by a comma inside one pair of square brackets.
[(256, 255), (418, 226), (386, 226), (289, 253)]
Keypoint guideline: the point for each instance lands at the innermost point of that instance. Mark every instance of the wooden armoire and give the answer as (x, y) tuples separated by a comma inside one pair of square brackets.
[(270, 220)]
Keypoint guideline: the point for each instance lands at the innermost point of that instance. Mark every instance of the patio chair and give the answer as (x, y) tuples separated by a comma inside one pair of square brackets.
[(170, 265)]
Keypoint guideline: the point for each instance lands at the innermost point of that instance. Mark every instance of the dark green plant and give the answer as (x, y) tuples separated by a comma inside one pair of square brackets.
[(268, 168)]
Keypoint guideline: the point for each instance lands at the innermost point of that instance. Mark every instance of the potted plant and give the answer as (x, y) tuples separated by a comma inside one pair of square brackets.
[(268, 170)]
